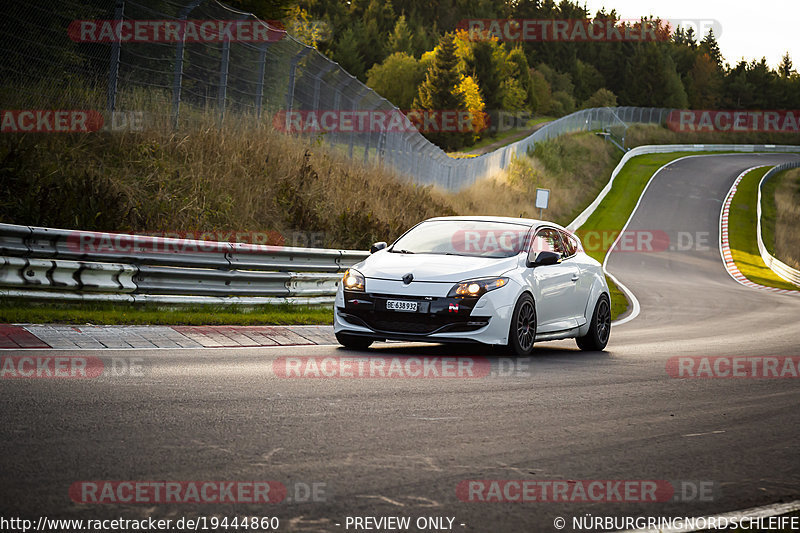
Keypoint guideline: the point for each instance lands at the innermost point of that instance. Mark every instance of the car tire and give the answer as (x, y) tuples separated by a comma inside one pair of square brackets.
[(354, 342), (522, 332), (599, 328)]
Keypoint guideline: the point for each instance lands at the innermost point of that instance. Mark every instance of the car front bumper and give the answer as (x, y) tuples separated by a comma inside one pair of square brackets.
[(438, 318)]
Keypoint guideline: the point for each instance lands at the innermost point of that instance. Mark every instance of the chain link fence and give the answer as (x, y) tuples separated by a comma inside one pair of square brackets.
[(174, 63)]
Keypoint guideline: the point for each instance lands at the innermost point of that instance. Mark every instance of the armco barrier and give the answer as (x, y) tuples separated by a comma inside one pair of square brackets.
[(47, 263), (779, 267)]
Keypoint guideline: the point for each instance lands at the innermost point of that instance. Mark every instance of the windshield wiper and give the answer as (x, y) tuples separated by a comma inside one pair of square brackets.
[(401, 251)]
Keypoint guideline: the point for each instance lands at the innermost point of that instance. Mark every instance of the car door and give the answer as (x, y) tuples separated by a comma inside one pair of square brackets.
[(583, 283), (553, 285)]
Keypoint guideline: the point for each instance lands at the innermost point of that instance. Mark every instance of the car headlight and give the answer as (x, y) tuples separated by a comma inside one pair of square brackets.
[(476, 287), (353, 280)]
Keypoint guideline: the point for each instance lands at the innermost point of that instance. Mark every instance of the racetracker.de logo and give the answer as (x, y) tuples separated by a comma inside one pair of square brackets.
[(393, 120), (780, 121), (548, 491), (50, 121), (50, 367), (149, 492), (174, 31), (759, 367), (398, 367), (564, 30)]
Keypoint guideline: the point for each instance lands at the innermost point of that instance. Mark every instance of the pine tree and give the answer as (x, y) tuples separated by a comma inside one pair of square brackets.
[(710, 46), (785, 68), (401, 38), (347, 53), (690, 38), (438, 92)]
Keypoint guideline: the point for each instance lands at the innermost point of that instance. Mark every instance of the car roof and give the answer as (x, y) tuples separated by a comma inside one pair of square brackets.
[(508, 220)]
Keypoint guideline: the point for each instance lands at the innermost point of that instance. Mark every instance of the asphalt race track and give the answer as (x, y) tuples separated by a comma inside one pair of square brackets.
[(400, 447)]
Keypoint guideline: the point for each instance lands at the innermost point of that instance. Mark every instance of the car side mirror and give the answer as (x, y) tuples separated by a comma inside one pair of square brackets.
[(545, 258), (377, 246)]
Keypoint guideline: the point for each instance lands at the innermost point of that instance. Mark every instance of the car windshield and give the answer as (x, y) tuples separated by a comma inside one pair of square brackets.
[(464, 237)]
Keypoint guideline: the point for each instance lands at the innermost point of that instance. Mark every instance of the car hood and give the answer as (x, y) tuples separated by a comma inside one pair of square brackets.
[(433, 267)]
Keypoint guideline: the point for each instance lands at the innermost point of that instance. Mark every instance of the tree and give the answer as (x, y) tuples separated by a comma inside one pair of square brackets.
[(485, 66), (300, 26), (397, 79), (785, 68), (542, 96), (703, 83), (691, 38), (562, 104), (264, 9), (471, 93), (438, 92), (348, 55), (601, 98), (587, 80), (521, 71), (710, 46), (651, 79), (401, 39)]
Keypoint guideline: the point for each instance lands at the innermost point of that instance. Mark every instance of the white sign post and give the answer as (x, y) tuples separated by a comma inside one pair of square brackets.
[(542, 198)]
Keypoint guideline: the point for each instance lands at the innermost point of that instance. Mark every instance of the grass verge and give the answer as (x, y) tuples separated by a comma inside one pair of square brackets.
[(27, 312), (742, 233)]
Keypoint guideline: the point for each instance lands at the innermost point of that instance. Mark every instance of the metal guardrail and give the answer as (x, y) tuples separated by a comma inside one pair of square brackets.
[(49, 263), (780, 268)]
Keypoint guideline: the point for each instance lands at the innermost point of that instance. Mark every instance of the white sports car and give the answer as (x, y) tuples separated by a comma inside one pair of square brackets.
[(492, 280)]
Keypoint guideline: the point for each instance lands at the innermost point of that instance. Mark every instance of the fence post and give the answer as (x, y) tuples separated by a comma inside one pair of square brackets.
[(223, 79), (223, 75), (327, 68), (356, 101), (262, 69), (178, 73), (113, 70), (292, 76), (337, 97)]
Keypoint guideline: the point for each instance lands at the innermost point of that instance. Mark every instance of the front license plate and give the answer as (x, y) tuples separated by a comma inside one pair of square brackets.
[(401, 305)]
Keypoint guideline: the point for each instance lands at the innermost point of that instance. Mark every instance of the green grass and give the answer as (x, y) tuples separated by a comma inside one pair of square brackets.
[(538, 120), (27, 312), (619, 302), (742, 233)]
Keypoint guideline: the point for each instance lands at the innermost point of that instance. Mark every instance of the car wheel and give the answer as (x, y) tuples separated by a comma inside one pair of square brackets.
[(600, 327), (354, 342), (522, 333)]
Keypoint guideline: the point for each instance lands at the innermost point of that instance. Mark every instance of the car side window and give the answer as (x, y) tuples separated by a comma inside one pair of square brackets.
[(570, 244), (547, 240)]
